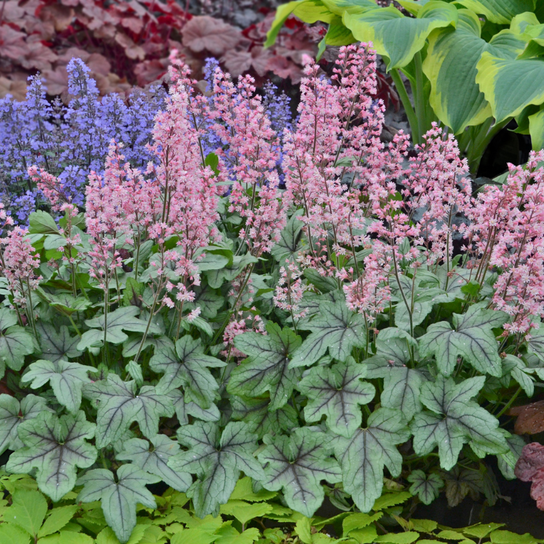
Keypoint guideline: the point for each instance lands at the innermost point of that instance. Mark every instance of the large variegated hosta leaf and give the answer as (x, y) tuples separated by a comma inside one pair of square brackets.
[(154, 459), (122, 319), (260, 419), (57, 345), (267, 368), (66, 379), (450, 65), (217, 459), (363, 456), (338, 393), (402, 384), (187, 367), (472, 339), (453, 420), (15, 341), (119, 404), (398, 37), (55, 447), (499, 11), (119, 496), (297, 463), (13, 413), (337, 330)]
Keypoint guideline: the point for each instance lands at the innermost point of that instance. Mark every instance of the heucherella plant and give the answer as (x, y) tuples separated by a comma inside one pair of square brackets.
[(199, 322)]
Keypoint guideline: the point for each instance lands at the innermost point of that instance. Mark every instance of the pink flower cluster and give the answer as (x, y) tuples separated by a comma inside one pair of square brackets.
[(290, 289)]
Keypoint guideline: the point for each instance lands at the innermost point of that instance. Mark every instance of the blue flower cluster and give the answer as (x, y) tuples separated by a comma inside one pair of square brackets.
[(70, 141)]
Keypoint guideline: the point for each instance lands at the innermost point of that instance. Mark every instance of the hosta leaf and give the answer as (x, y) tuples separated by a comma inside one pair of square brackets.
[(217, 460), (119, 405), (425, 486), (122, 319), (187, 367), (184, 408), (15, 341), (472, 339), (55, 447), (510, 85), (499, 11), (119, 496), (66, 379), (154, 460), (267, 368), (337, 330), (364, 456), (12, 414), (398, 37), (450, 65), (297, 464), (260, 419), (57, 345), (453, 420), (338, 393)]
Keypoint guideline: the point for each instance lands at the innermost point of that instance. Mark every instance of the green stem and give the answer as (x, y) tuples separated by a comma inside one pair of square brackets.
[(419, 98), (509, 403), (405, 99)]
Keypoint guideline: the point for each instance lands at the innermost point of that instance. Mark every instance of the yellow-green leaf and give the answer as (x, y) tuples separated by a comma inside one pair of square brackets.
[(499, 11), (398, 37), (536, 129), (57, 519), (350, 6)]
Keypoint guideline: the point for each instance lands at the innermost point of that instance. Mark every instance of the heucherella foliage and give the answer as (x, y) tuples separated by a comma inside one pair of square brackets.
[(199, 322)]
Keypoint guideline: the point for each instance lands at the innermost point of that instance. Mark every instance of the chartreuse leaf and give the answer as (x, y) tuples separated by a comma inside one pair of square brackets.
[(337, 392), (27, 511), (472, 339), (229, 535), (187, 367), (499, 11), (309, 11), (57, 519), (267, 368), (425, 486), (13, 413), (337, 330), (66, 379), (55, 447), (363, 456), (510, 85), (450, 65), (122, 319), (398, 37), (536, 130), (119, 495), (57, 345), (217, 460), (154, 459), (349, 6), (261, 420), (15, 341), (119, 405), (297, 463), (453, 420)]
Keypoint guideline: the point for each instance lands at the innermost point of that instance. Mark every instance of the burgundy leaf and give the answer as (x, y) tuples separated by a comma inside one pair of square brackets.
[(208, 34), (530, 418)]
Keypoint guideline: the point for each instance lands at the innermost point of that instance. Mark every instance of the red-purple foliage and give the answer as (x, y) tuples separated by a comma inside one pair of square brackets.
[(530, 468)]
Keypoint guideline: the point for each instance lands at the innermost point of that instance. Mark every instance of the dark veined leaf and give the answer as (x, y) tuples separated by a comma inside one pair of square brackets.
[(184, 408), (208, 301), (217, 459), (154, 459), (311, 301), (119, 496), (55, 447), (364, 456), (507, 461), (337, 330), (290, 239), (187, 367), (267, 368), (337, 392), (15, 341), (260, 419), (425, 486), (472, 339), (297, 464), (66, 379), (453, 420), (119, 405), (122, 319), (57, 345), (13, 413)]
